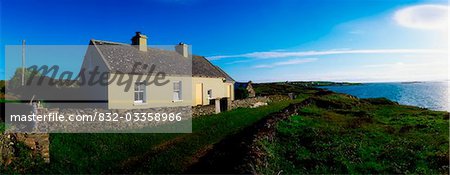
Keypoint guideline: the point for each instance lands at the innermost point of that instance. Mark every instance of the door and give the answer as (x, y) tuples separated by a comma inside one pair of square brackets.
[(199, 94), (223, 104), (229, 91)]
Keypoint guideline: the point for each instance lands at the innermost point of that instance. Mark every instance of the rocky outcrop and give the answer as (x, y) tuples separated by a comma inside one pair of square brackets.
[(6, 149), (38, 143), (10, 148)]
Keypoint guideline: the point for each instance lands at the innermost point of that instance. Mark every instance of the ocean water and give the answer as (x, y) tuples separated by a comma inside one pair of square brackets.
[(431, 95)]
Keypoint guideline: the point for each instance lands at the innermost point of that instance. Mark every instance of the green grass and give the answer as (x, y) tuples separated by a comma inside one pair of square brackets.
[(2, 127), (207, 131), (362, 139), (335, 134), (96, 153), (102, 153)]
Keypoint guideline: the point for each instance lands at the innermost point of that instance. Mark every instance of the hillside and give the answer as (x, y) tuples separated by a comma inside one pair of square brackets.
[(336, 133)]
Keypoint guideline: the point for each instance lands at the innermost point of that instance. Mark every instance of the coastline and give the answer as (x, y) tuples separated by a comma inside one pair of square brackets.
[(431, 94)]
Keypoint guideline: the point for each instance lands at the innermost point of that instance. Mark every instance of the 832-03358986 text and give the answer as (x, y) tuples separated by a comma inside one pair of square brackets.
[(99, 116)]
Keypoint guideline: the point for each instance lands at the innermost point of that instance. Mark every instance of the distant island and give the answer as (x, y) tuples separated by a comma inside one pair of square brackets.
[(411, 82), (318, 83)]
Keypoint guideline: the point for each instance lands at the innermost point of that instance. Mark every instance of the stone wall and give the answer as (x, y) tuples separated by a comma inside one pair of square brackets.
[(203, 110), (243, 103), (123, 120), (251, 102), (277, 98)]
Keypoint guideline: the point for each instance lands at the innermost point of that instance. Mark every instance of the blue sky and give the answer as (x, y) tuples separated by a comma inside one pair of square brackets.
[(348, 40)]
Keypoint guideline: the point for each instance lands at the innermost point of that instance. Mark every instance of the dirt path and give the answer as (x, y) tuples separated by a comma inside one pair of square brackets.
[(235, 154)]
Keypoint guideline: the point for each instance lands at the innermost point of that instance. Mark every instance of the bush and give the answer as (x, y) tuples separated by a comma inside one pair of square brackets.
[(2, 87), (240, 93), (16, 80)]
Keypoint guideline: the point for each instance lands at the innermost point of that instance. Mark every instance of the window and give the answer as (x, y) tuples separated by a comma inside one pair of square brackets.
[(210, 94), (177, 91), (139, 92)]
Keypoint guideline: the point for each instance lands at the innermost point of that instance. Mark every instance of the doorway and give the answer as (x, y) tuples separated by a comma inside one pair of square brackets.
[(199, 94)]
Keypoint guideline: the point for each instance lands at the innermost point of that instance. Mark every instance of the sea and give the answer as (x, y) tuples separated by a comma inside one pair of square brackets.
[(431, 95)]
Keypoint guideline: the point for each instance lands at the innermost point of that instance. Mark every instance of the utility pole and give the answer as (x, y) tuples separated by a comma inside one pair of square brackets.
[(23, 62)]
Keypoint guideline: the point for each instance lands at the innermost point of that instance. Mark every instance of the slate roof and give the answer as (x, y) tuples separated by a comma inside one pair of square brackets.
[(201, 67), (122, 57)]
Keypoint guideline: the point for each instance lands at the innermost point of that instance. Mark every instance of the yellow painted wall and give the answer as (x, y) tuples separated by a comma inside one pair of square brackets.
[(218, 87), (162, 96), (156, 96)]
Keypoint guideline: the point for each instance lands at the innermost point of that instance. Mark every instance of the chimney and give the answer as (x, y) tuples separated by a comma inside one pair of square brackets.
[(182, 49), (140, 40)]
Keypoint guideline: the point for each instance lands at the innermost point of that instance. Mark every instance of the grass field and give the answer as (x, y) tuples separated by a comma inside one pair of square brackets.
[(147, 153), (336, 133), (340, 134), (155, 153)]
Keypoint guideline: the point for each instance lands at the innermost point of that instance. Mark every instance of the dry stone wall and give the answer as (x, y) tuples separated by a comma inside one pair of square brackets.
[(243, 103), (123, 122), (203, 110)]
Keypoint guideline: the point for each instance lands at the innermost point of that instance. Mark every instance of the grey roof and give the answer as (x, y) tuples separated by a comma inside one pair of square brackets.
[(122, 57), (201, 67)]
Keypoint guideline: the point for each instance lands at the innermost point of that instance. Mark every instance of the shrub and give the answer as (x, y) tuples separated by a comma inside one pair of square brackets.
[(240, 93)]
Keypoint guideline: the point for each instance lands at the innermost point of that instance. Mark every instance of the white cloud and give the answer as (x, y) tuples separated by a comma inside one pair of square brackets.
[(398, 64), (279, 54), (288, 62), (423, 17), (239, 61)]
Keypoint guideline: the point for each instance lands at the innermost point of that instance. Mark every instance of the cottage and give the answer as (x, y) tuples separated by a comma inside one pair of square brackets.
[(140, 76)]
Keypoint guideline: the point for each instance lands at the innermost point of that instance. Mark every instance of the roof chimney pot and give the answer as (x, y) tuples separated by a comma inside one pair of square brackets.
[(140, 40), (182, 49)]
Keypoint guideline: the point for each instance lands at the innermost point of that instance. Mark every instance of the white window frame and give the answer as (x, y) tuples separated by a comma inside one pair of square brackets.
[(140, 90), (177, 92)]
